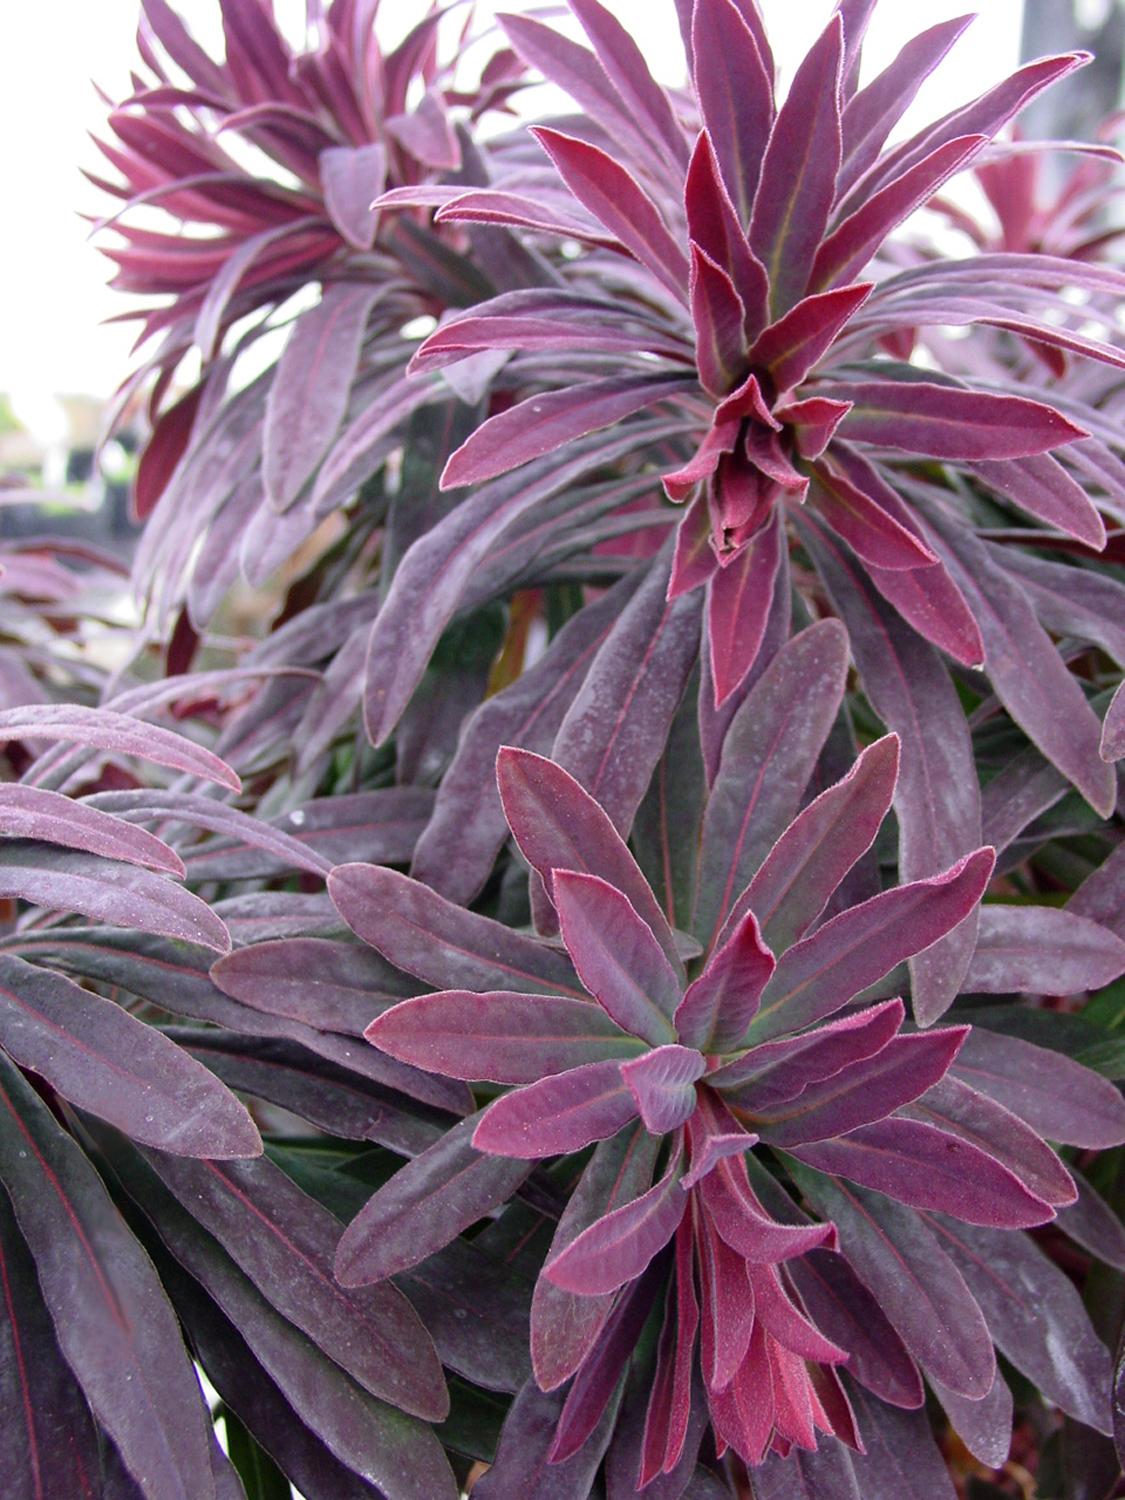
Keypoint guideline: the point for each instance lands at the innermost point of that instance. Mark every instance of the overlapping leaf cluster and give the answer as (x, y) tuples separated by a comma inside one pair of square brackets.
[(478, 1005)]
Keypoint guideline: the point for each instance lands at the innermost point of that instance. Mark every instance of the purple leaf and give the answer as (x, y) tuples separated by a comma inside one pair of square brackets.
[(1101, 896), (616, 955), (1043, 950), (814, 854), (108, 892), (1113, 729), (114, 1324), (1059, 1098), (937, 798), (328, 985), (662, 1083), (558, 825), (727, 1310), (1042, 487), (564, 1325), (284, 1240), (901, 1454), (849, 247), (790, 348), (521, 1466), (616, 1248), (42, 1401), (927, 1167), (618, 201), (740, 1219), (96, 1055), (738, 606), (34, 813), (915, 1283), (713, 225), (872, 114), (823, 972), (309, 391), (624, 64), (862, 1091), (615, 730), (506, 1037), (945, 422), (794, 196), (735, 95), (558, 1114), (425, 1205), (1036, 1317), (718, 315), (846, 1312), (1030, 677), (350, 178), (421, 932), (961, 1111), (778, 1071), (458, 846), (543, 423), (1092, 1223), (872, 532), (719, 1005), (758, 792), (985, 1427), (103, 729), (360, 447)]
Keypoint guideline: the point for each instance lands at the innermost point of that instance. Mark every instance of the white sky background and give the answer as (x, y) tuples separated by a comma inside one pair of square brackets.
[(53, 295)]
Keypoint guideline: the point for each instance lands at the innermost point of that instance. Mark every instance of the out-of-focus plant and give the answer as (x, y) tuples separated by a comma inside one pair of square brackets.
[(462, 987)]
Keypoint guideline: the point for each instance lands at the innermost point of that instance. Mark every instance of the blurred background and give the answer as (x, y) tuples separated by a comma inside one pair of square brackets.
[(59, 357)]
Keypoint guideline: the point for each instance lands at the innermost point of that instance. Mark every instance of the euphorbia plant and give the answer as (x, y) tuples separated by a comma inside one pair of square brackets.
[(507, 962)]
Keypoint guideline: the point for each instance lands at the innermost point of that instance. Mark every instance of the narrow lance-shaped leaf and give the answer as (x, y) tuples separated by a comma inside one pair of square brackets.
[(105, 729), (735, 94), (503, 1036), (718, 1006), (114, 1324), (100, 1058), (945, 422), (1021, 948), (35, 813), (558, 1114), (425, 1205), (739, 600)]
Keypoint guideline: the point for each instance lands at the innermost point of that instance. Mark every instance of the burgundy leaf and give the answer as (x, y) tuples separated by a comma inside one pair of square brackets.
[(718, 315), (823, 972), (742, 1223), (351, 177), (962, 1111), (522, 1467), (625, 66), (35, 813), (790, 348), (617, 1248), (421, 932), (618, 201), (872, 532), (103, 729), (1044, 950), (719, 1005), (566, 1325), (558, 825), (738, 605), (558, 1114), (329, 985), (814, 854), (616, 955), (1113, 729), (727, 1310), (108, 892), (714, 225), (425, 1205), (862, 1091), (309, 392), (915, 1282), (284, 1240), (1059, 1098), (1036, 1317), (848, 248), (758, 792), (778, 1071), (1042, 487), (641, 670), (794, 196), (1092, 1223), (96, 1055), (924, 1166), (503, 1036), (662, 1083), (985, 1427), (937, 798), (901, 1452), (735, 95), (114, 1324), (946, 422)]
